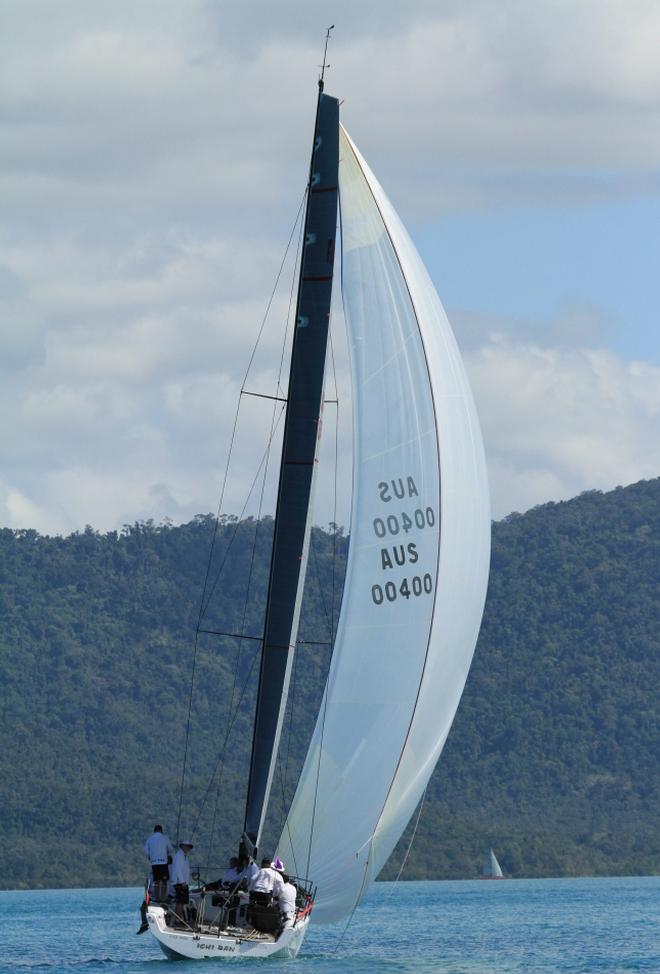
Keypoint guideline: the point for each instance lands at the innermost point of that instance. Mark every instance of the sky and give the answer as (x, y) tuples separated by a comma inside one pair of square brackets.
[(153, 156)]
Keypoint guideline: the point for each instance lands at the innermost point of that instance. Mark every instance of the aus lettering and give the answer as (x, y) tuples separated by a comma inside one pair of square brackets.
[(398, 554), (398, 488)]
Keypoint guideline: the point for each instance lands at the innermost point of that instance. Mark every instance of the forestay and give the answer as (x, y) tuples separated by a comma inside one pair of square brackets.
[(417, 567)]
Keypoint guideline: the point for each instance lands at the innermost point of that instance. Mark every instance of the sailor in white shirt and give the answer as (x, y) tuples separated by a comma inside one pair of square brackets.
[(266, 879), (180, 876), (265, 885), (158, 849), (287, 902)]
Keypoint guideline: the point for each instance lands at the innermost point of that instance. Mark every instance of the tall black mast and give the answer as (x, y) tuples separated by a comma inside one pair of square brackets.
[(301, 434)]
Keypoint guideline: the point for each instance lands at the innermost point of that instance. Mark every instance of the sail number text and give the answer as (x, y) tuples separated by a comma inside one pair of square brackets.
[(391, 591), (403, 552), (393, 523)]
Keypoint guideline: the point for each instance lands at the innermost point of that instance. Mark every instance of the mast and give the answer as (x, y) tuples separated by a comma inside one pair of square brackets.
[(301, 435)]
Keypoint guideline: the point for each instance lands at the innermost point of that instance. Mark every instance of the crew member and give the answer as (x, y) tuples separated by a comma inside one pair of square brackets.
[(267, 880), (287, 902), (180, 877), (232, 874), (159, 851), (248, 870)]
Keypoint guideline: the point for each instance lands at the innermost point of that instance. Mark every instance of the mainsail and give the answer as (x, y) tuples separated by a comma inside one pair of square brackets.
[(417, 566)]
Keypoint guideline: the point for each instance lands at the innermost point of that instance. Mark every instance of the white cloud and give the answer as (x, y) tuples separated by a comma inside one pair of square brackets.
[(153, 156), (561, 420), (24, 513)]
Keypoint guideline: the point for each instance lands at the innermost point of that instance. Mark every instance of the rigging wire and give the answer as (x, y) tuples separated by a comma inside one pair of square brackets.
[(334, 507), (204, 605), (279, 378), (272, 294), (273, 425), (292, 697), (271, 298), (283, 818), (330, 616), (243, 624), (198, 630), (357, 900), (410, 844), (284, 774), (220, 762), (332, 612), (240, 516)]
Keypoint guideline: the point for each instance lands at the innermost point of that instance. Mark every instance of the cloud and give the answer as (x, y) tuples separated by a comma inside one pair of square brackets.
[(153, 158), (557, 421)]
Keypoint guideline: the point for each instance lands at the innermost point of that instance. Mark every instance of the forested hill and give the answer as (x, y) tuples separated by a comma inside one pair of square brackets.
[(552, 760)]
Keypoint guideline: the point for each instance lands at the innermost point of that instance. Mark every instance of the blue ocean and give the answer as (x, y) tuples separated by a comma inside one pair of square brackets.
[(510, 927)]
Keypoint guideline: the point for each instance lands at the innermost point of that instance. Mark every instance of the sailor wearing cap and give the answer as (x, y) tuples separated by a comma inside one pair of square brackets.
[(180, 876)]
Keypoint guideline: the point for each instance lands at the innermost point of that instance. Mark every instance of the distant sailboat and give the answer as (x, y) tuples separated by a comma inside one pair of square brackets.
[(492, 868)]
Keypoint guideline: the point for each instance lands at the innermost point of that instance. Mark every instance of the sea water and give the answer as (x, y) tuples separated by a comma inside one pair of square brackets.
[(510, 927)]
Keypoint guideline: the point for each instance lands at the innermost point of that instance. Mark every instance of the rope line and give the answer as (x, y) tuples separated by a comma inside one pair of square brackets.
[(273, 424), (410, 844), (272, 294), (221, 754), (357, 901), (332, 615), (238, 521)]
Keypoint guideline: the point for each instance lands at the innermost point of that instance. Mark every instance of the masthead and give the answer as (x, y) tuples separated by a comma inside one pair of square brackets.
[(325, 56)]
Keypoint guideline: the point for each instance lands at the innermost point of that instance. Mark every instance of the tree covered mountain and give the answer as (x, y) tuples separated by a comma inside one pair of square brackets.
[(552, 760)]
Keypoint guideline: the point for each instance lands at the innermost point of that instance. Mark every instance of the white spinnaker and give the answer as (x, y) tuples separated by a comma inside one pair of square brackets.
[(417, 566)]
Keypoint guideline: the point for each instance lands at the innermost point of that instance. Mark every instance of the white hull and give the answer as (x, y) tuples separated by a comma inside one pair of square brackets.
[(184, 944)]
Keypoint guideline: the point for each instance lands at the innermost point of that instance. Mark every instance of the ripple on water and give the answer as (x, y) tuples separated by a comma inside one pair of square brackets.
[(580, 926)]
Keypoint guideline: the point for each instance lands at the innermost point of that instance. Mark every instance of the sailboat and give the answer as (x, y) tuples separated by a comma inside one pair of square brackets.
[(492, 868), (416, 573)]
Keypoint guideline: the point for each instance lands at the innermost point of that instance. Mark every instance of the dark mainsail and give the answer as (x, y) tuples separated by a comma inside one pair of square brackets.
[(301, 433)]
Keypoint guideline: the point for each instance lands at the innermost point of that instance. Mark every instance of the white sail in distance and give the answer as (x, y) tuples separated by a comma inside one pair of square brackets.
[(492, 868), (417, 566)]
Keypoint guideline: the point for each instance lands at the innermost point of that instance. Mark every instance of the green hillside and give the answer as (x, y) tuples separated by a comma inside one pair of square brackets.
[(553, 758)]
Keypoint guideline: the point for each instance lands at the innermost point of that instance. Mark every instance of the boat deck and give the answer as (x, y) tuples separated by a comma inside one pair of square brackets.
[(236, 933)]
